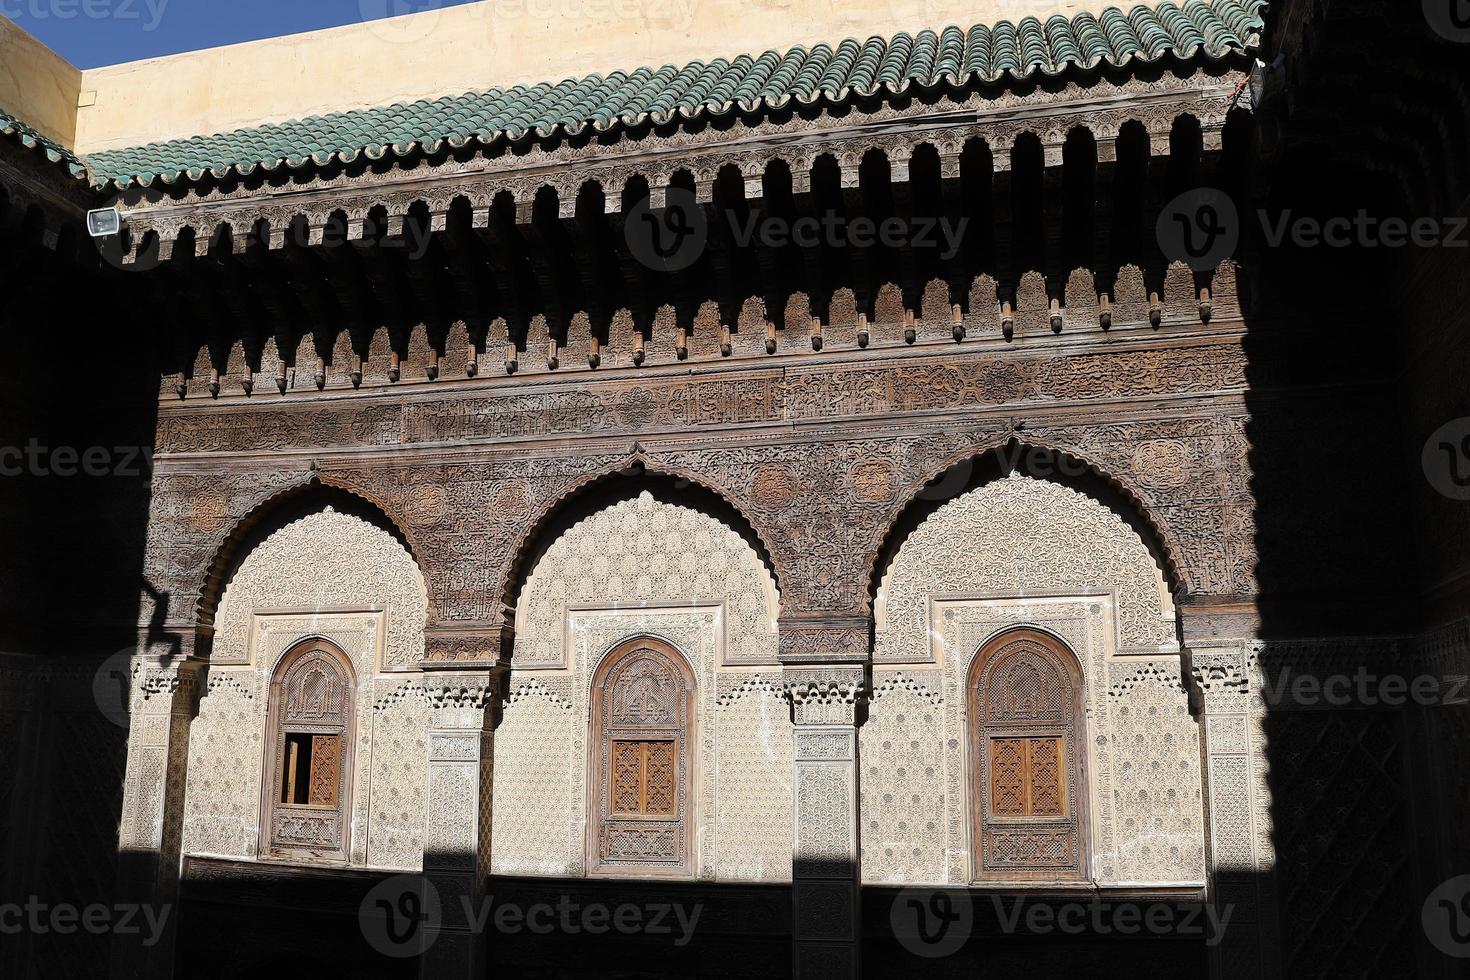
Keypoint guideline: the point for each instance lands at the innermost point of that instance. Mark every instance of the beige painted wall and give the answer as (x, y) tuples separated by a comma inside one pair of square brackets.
[(477, 46), (37, 85)]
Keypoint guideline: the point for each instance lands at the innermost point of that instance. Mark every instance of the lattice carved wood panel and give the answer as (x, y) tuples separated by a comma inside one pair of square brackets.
[(642, 716), (307, 791), (1029, 811)]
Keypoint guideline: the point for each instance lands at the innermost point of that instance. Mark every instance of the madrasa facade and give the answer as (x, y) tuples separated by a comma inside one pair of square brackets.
[(876, 496)]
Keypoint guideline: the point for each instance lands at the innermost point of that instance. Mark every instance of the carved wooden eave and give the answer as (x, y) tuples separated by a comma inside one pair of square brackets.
[(235, 213), (39, 202)]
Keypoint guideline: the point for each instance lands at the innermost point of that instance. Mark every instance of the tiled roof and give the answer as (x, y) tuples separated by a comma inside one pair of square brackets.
[(13, 128), (953, 56)]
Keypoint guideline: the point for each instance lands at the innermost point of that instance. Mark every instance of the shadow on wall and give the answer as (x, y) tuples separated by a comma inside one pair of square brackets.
[(76, 448), (1336, 581), (350, 923)]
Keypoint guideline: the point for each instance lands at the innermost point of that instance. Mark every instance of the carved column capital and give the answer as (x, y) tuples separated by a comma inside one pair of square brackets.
[(463, 699), (167, 687), (1221, 678), (825, 695)]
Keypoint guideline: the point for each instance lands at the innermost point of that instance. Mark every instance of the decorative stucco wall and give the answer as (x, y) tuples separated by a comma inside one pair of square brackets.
[(340, 577), (647, 567), (1014, 537), (1023, 551)]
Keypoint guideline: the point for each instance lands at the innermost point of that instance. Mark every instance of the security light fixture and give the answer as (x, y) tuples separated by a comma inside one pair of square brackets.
[(104, 222)]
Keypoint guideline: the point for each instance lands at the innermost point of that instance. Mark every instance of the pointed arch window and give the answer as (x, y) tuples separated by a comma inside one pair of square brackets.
[(308, 787), (642, 722), (1029, 794)]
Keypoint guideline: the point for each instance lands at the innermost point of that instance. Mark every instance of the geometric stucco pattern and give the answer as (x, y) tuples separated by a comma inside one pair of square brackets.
[(1143, 755), (325, 560), (371, 585), (622, 566), (642, 550), (1020, 536)]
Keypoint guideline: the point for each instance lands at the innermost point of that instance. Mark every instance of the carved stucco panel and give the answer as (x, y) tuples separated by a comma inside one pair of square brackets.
[(1013, 537), (536, 755), (753, 770), (340, 561), (824, 832), (222, 799), (396, 801), (646, 567), (1143, 745), (640, 551), (326, 560)]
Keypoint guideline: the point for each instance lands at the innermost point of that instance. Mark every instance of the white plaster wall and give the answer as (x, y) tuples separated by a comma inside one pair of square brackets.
[(1022, 551), (373, 605), (645, 566)]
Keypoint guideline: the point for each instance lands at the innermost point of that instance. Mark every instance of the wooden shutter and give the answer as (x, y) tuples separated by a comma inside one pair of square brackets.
[(642, 713), (1028, 801), (311, 715)]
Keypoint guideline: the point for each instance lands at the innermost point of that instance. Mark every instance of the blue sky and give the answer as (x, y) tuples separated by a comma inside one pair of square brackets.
[(89, 33)]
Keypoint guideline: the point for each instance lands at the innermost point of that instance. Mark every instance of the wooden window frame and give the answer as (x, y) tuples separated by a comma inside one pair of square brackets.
[(1070, 728), (277, 729), (602, 734)]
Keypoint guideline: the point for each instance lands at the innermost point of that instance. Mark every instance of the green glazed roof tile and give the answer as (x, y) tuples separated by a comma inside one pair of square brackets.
[(13, 128), (1211, 29)]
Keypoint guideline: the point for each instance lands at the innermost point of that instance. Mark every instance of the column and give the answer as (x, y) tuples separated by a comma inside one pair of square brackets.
[(164, 700), (1237, 801), (824, 671), (463, 705)]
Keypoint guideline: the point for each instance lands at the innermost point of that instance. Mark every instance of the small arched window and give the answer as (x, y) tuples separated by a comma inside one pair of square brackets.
[(1029, 788), (642, 732), (308, 787)]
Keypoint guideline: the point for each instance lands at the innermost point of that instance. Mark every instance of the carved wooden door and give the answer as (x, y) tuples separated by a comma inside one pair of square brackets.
[(306, 803), (1029, 789), (642, 716)]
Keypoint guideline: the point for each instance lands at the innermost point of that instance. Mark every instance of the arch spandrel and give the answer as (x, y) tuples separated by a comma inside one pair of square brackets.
[(952, 473)]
